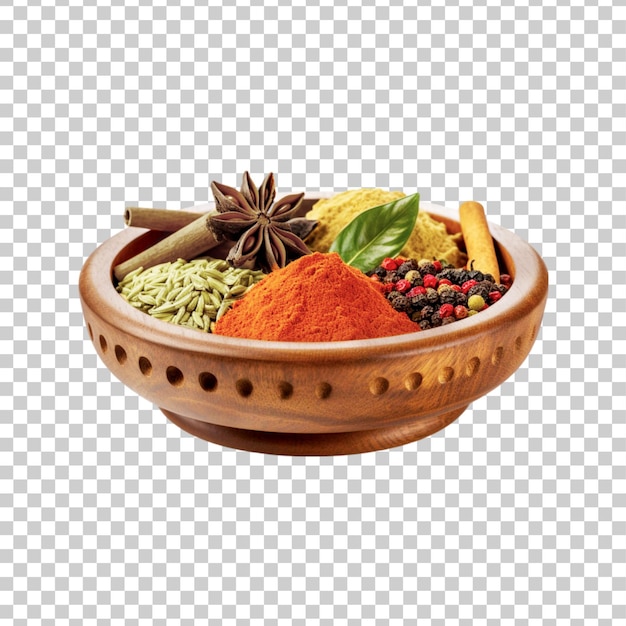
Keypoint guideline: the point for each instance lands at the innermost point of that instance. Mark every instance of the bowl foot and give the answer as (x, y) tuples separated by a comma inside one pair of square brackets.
[(314, 444)]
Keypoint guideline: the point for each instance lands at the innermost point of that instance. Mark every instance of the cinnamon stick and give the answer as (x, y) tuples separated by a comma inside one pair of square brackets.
[(190, 241), (478, 240), (166, 220)]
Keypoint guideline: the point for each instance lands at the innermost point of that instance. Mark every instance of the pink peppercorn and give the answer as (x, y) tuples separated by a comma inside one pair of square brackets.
[(416, 291), (446, 310), (494, 296), (437, 265), (467, 285), (389, 264), (430, 281), (460, 312), (403, 285), (445, 281)]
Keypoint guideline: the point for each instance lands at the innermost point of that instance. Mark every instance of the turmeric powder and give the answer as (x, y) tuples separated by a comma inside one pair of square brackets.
[(429, 239)]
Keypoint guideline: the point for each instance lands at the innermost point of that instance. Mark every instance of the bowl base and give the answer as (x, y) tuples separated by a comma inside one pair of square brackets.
[(314, 444)]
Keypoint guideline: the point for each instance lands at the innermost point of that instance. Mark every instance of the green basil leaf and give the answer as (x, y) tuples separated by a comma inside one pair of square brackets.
[(377, 233)]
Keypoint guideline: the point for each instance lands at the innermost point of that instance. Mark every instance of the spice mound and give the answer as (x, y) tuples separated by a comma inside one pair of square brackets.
[(429, 239), (315, 298), (434, 295)]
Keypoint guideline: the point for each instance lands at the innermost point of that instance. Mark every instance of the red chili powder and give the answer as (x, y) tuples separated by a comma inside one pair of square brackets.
[(314, 298)]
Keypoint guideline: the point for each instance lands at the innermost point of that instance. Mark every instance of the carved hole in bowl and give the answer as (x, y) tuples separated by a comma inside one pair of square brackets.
[(378, 386), (445, 375), (472, 366), (413, 381), (496, 357), (207, 381), (285, 390), (145, 367), (323, 390), (174, 376), (518, 343), (120, 355), (103, 343), (244, 387)]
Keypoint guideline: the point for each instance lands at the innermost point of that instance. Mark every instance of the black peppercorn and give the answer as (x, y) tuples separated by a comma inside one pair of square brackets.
[(460, 298), (435, 319), (400, 302), (476, 275), (432, 296), (427, 268), (427, 311), (419, 301), (407, 266), (448, 296)]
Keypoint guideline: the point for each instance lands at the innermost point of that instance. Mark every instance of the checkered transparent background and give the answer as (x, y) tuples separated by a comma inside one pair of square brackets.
[(515, 514)]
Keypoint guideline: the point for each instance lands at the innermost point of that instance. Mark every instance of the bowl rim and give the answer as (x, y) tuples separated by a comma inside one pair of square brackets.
[(114, 309)]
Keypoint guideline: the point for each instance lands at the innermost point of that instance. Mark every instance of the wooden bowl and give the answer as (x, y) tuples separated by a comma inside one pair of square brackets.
[(314, 398)]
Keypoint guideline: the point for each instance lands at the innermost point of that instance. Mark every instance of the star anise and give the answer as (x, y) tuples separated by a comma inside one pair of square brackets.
[(262, 229)]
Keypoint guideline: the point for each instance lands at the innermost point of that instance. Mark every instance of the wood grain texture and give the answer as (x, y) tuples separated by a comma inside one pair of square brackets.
[(363, 392)]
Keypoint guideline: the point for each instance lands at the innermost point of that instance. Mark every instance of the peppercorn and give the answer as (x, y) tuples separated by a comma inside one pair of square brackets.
[(429, 280), (476, 275), (446, 310), (416, 291), (400, 303), (460, 312), (389, 264), (480, 290), (414, 277), (403, 285), (447, 273), (467, 285), (418, 301), (416, 316), (434, 293), (427, 268), (408, 266), (427, 311), (448, 297), (435, 319), (476, 302), (460, 298), (432, 296)]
